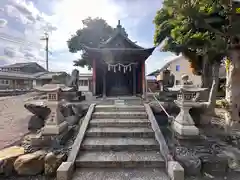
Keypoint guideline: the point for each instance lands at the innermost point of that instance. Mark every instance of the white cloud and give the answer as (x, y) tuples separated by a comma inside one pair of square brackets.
[(67, 17), (3, 23), (32, 23)]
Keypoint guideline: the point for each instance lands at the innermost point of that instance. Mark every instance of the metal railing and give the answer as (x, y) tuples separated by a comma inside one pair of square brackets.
[(164, 110)]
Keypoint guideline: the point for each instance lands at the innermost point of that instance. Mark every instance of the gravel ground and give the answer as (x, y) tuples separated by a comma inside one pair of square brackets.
[(13, 118), (38, 177)]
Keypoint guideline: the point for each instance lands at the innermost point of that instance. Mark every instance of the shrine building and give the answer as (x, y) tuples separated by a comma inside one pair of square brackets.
[(119, 66)]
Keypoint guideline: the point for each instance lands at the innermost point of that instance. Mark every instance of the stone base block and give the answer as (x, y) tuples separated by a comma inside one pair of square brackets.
[(185, 130), (54, 129), (39, 141), (65, 171), (175, 170)]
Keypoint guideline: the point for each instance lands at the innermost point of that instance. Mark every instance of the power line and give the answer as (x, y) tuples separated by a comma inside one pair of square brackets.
[(19, 42), (5, 57)]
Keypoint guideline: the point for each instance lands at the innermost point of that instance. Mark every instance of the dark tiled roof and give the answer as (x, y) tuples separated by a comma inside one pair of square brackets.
[(119, 32), (47, 75), (18, 65), (16, 75)]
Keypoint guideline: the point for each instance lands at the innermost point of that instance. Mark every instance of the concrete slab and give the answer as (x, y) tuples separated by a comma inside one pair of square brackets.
[(123, 115), (122, 108), (120, 159), (121, 174), (120, 123), (120, 132), (116, 143)]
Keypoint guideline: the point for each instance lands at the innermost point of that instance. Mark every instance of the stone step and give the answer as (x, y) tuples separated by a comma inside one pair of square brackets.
[(120, 115), (120, 132), (119, 144), (122, 108), (120, 174), (122, 159), (120, 123)]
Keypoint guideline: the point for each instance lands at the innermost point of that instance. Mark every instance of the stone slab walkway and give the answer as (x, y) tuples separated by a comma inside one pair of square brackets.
[(13, 119)]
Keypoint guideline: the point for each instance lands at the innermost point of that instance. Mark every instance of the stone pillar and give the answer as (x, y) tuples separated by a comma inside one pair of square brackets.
[(104, 83), (184, 124), (134, 80), (55, 123), (94, 77), (143, 81)]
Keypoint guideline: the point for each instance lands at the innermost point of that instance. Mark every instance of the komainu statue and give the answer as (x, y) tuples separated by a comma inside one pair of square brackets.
[(185, 80), (73, 82)]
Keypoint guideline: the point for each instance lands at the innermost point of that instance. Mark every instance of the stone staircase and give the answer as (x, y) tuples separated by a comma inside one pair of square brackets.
[(119, 144)]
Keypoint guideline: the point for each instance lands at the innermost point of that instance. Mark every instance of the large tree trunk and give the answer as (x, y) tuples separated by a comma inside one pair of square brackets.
[(206, 78), (214, 88), (233, 89)]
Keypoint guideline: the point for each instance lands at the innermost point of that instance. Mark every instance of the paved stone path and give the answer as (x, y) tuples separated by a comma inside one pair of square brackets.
[(13, 119)]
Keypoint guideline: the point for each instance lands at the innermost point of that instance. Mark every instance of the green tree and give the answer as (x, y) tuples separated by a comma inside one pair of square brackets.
[(94, 32), (184, 25), (207, 29)]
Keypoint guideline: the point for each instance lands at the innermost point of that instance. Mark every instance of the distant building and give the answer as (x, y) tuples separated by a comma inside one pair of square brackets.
[(31, 68), (85, 82), (25, 76), (178, 67)]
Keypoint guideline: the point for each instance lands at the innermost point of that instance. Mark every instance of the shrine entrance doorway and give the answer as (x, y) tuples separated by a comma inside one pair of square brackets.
[(119, 83)]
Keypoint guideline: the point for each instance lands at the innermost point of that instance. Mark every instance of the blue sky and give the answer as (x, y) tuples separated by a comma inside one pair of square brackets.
[(23, 22)]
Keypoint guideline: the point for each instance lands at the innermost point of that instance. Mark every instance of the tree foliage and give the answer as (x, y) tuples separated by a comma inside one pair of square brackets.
[(194, 28), (94, 32)]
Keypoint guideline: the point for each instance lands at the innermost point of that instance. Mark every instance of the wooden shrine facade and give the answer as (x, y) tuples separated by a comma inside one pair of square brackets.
[(119, 66)]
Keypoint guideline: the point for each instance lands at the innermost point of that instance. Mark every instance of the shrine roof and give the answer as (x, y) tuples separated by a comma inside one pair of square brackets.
[(149, 50), (119, 33)]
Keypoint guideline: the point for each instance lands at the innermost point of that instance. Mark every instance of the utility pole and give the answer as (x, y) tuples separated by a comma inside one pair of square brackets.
[(46, 38)]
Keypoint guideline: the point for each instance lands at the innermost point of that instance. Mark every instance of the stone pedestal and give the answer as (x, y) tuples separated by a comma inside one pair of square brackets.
[(183, 123), (55, 123), (186, 99)]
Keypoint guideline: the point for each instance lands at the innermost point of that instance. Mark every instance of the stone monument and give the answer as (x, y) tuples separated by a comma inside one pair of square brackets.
[(55, 123), (186, 99)]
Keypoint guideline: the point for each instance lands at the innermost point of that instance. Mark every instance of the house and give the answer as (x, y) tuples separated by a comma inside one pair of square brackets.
[(85, 82), (178, 66), (19, 75), (25, 76), (30, 67), (15, 80)]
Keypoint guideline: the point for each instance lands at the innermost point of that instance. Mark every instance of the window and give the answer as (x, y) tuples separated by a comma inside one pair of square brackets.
[(177, 67), (4, 81), (83, 83)]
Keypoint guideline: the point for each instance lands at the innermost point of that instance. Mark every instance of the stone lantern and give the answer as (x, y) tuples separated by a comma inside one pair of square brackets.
[(186, 99), (55, 123)]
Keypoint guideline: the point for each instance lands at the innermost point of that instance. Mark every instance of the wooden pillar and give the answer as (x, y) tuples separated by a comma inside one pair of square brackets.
[(104, 83), (94, 77), (143, 81), (134, 80)]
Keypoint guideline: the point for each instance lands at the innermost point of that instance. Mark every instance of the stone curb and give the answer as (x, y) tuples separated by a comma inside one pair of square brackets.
[(158, 134), (65, 171), (175, 170)]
